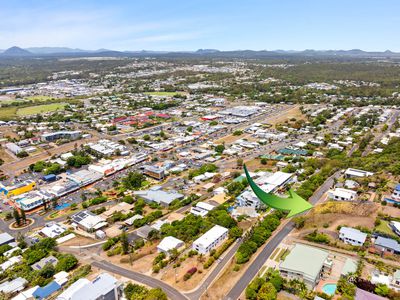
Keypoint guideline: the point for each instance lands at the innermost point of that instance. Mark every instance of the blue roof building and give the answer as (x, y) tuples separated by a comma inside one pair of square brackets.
[(46, 291)]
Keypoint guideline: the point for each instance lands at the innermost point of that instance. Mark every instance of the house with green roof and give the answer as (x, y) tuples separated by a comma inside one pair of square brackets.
[(350, 266), (306, 263)]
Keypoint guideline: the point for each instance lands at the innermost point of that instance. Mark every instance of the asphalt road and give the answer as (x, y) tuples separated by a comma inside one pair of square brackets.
[(214, 273), (144, 279), (256, 265)]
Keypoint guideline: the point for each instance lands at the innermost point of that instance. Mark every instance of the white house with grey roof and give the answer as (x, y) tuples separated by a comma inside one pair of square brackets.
[(169, 243), (352, 236), (103, 286)]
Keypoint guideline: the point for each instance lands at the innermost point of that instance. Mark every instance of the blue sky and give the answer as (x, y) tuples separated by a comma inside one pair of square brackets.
[(193, 24)]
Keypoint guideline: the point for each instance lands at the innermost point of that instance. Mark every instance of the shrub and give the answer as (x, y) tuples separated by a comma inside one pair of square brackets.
[(66, 262), (209, 262), (317, 237)]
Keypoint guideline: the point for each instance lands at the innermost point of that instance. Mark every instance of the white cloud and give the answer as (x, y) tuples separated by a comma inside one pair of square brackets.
[(89, 29)]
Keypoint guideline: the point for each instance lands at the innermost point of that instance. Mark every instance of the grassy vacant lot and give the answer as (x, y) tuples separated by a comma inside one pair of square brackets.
[(32, 110), (384, 227), (7, 113), (39, 98), (167, 94)]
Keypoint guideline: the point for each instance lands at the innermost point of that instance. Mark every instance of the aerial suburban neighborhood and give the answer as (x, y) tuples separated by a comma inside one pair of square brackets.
[(199, 174)]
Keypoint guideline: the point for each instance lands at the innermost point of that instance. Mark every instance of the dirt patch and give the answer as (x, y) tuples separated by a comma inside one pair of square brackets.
[(79, 241), (390, 210), (229, 139), (5, 156), (289, 114), (141, 261), (332, 214), (255, 164)]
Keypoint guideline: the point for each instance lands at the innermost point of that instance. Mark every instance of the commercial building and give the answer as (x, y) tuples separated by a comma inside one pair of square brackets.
[(154, 172), (62, 188), (32, 200), (6, 238), (17, 189), (341, 194), (84, 177), (14, 148), (156, 194), (306, 263), (352, 236), (241, 111), (108, 148), (102, 287), (210, 240), (108, 167), (66, 135)]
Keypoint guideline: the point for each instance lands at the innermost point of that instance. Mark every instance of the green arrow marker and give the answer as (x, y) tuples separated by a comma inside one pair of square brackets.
[(294, 203)]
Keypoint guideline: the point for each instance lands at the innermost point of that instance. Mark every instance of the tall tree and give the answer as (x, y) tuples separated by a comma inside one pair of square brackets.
[(17, 217), (124, 243), (23, 216)]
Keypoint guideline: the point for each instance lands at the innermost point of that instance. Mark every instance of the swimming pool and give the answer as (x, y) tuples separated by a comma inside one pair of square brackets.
[(329, 288), (62, 206)]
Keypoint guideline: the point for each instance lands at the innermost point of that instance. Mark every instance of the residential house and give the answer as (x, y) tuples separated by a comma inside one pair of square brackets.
[(44, 261), (341, 194), (102, 287), (88, 221), (395, 225), (13, 286), (306, 263), (168, 243), (352, 236), (395, 197), (386, 245), (201, 209), (352, 173)]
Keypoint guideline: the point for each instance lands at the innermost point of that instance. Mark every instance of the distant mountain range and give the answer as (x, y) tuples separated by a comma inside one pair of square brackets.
[(65, 51)]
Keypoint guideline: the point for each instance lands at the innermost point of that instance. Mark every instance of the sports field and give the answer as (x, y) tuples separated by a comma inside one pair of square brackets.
[(32, 110)]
